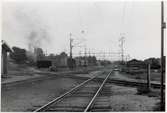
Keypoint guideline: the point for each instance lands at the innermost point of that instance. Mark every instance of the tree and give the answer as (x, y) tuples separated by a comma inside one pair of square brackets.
[(19, 55), (154, 62)]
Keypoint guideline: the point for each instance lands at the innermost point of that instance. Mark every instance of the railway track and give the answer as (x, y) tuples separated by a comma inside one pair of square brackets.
[(78, 99), (91, 95)]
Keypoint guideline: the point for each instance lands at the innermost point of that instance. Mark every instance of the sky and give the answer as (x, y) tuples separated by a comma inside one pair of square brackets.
[(96, 25)]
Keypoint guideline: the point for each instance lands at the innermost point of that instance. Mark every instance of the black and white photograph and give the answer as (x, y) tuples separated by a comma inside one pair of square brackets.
[(83, 55)]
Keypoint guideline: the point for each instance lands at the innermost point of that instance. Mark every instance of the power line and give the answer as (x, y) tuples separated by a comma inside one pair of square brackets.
[(100, 55)]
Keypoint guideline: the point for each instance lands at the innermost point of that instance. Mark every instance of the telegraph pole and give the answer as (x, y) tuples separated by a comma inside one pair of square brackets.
[(71, 46), (148, 78), (163, 26), (85, 56), (104, 56), (89, 53), (122, 48), (80, 58)]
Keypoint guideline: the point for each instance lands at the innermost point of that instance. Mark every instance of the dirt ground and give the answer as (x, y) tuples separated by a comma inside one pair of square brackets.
[(127, 99), (26, 97)]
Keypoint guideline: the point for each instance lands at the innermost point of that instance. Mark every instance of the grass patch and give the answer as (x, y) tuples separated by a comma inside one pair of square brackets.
[(150, 93), (154, 76), (143, 90)]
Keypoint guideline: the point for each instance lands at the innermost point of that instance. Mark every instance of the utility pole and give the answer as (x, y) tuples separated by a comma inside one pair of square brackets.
[(104, 56), (163, 26), (85, 56), (80, 54), (46, 52), (148, 78), (71, 46), (89, 53), (122, 47), (79, 58)]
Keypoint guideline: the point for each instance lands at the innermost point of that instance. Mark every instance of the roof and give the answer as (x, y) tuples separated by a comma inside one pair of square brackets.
[(6, 46)]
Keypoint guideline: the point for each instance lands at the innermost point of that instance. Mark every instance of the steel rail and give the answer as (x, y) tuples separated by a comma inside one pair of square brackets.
[(98, 91), (44, 107)]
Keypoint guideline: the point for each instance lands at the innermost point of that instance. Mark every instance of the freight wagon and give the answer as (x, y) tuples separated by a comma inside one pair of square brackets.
[(44, 63)]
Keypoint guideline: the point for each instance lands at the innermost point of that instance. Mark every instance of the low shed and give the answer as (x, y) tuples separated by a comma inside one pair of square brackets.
[(4, 58)]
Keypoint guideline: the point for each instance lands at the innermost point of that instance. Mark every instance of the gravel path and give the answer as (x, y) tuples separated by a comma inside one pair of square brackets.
[(26, 97)]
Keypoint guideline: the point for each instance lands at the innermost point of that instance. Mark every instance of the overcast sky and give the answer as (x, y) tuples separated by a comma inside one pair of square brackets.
[(48, 25)]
